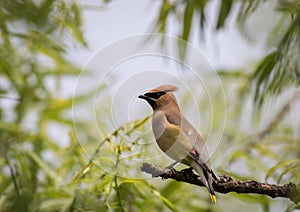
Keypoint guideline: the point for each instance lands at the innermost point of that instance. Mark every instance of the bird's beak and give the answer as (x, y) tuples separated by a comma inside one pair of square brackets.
[(143, 97), (147, 98)]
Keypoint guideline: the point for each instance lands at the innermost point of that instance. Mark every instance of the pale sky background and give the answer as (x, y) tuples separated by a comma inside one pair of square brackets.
[(120, 19)]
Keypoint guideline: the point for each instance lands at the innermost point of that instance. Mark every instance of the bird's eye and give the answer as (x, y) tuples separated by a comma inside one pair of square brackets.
[(155, 95)]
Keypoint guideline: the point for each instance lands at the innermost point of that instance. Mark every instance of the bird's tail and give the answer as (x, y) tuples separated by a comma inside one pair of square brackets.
[(206, 178), (210, 187), (213, 198)]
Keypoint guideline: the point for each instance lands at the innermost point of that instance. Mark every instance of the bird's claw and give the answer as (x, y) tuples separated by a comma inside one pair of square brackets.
[(173, 171)]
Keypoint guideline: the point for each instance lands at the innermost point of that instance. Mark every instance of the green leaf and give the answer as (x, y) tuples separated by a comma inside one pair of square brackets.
[(266, 66), (247, 8), (223, 13), (289, 169), (167, 202), (75, 25), (200, 6), (163, 15), (187, 20), (57, 204), (292, 7), (49, 171), (137, 186), (171, 188), (84, 171), (266, 151), (282, 164), (45, 9), (262, 74)]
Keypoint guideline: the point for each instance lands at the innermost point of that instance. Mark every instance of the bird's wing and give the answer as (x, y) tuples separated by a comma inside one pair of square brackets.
[(201, 154), (194, 137)]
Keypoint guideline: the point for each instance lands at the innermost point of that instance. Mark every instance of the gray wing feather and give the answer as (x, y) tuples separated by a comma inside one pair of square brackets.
[(198, 143), (194, 137)]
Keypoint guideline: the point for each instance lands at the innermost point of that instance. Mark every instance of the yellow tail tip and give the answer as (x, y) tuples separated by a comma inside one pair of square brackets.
[(213, 198)]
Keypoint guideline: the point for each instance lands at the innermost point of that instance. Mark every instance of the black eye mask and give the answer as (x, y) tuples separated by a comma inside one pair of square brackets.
[(155, 95)]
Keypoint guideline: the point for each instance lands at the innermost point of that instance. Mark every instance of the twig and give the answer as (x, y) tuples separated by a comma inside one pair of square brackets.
[(226, 183), (135, 124)]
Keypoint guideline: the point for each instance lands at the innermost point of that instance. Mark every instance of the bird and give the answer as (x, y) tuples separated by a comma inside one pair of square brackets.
[(176, 136)]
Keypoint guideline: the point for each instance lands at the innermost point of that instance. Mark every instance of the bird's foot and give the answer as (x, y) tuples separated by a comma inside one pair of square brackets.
[(173, 171), (171, 166)]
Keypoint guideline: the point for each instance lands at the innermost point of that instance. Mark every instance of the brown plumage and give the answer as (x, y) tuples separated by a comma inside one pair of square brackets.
[(176, 136)]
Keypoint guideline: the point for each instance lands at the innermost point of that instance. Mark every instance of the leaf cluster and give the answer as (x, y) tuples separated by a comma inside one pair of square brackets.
[(277, 70)]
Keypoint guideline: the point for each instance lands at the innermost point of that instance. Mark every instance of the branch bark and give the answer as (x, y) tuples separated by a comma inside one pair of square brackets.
[(226, 183)]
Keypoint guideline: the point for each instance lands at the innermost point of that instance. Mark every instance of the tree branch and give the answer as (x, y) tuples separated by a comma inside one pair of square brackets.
[(226, 183)]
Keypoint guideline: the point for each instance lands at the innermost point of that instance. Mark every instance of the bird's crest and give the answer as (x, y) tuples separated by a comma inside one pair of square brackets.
[(164, 88)]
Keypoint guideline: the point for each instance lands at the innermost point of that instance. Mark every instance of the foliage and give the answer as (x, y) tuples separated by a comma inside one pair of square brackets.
[(279, 69), (32, 55), (41, 171)]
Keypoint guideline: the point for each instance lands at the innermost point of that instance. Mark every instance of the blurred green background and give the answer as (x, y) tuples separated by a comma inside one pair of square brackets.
[(43, 167)]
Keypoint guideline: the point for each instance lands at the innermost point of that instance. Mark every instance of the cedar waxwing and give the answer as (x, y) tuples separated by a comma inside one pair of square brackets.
[(176, 136)]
